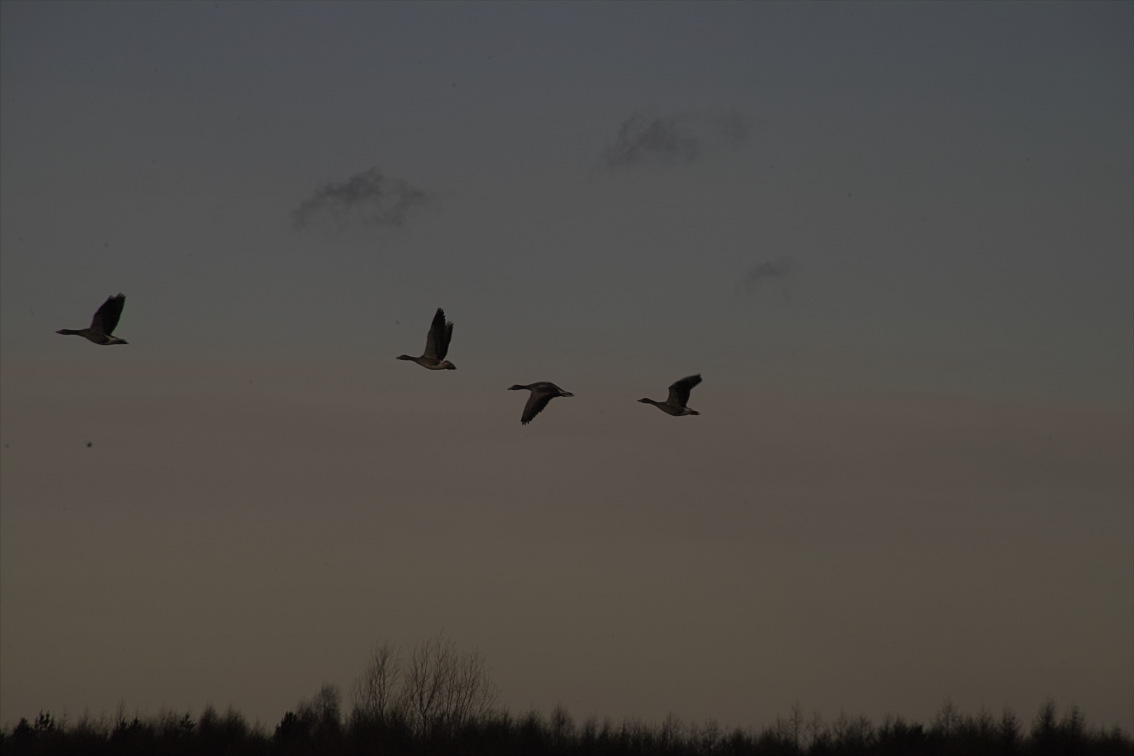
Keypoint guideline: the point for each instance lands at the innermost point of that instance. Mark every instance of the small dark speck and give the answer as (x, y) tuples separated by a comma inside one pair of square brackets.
[(850, 194), (89, 444)]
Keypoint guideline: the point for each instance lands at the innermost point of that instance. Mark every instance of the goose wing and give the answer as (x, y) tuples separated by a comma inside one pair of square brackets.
[(536, 402), (440, 333), (106, 317), (679, 390)]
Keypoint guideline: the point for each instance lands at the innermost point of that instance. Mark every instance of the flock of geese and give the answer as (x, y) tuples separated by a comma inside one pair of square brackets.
[(105, 320)]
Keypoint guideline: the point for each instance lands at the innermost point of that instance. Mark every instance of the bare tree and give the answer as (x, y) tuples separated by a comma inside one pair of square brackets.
[(375, 691), (321, 715), (443, 688), (947, 720), (816, 730), (436, 688), (424, 682), (562, 726), (471, 693), (790, 729)]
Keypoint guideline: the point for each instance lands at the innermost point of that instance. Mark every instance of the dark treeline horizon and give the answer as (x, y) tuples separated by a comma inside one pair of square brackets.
[(436, 699), (317, 726)]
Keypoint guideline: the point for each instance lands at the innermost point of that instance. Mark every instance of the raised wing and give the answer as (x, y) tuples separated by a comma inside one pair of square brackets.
[(440, 333), (679, 390), (106, 317)]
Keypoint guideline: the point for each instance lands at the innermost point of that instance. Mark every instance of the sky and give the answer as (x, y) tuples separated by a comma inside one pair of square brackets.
[(896, 240)]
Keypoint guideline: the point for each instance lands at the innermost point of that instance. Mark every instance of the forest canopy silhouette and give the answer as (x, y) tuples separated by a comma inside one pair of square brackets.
[(437, 699)]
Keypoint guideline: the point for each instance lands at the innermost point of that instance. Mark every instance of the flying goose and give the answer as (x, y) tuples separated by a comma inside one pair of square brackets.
[(542, 393), (678, 396), (436, 345), (102, 324)]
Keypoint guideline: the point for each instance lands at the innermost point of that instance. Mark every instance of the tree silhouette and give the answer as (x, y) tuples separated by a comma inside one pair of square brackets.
[(375, 691), (454, 717), (434, 691), (443, 688)]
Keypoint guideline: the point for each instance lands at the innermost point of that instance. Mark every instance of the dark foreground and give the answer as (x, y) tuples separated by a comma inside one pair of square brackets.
[(315, 730)]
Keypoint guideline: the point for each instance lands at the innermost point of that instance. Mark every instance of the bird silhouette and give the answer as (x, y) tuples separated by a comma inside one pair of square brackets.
[(436, 345), (102, 324), (542, 393), (678, 396)]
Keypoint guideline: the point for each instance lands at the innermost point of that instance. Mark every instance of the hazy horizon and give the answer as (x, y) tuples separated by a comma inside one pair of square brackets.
[(896, 240)]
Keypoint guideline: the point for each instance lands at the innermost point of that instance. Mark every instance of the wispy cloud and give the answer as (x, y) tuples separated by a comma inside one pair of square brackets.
[(368, 198), (767, 272), (676, 138)]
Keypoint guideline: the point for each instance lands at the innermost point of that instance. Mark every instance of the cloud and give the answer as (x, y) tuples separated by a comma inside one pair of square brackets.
[(767, 271), (677, 138), (367, 198)]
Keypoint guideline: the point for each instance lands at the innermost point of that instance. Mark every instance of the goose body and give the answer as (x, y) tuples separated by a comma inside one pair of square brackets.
[(436, 345), (103, 323), (678, 396), (542, 393)]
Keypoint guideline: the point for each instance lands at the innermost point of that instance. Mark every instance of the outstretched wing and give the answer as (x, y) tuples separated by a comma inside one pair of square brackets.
[(105, 319), (536, 402), (679, 390), (440, 333)]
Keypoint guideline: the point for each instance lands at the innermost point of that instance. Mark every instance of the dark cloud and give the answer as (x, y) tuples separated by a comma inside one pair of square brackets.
[(769, 270), (368, 198), (676, 138)]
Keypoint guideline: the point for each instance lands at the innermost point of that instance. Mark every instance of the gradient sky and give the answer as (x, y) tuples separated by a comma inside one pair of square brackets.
[(897, 240)]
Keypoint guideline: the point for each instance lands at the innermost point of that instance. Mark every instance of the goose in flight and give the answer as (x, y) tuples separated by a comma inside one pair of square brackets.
[(102, 324), (436, 345), (542, 393), (678, 396)]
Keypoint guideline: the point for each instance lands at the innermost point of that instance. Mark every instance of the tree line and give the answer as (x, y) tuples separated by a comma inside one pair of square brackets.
[(436, 699)]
